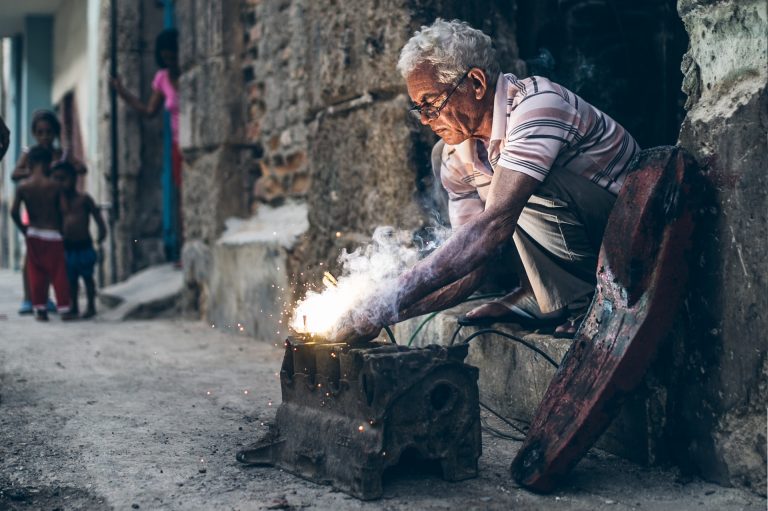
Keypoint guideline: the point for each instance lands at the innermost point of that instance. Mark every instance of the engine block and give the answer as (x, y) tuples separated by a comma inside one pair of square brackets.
[(347, 414)]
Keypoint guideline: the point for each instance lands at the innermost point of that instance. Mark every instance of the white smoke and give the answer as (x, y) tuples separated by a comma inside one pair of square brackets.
[(367, 285)]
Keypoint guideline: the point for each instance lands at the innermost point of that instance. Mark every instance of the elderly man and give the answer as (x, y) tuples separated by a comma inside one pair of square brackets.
[(526, 161)]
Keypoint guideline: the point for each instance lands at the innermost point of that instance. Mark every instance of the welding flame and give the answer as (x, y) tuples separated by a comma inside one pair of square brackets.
[(368, 277), (318, 313)]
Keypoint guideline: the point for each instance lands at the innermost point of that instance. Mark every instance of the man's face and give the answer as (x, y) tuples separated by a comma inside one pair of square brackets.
[(459, 118)]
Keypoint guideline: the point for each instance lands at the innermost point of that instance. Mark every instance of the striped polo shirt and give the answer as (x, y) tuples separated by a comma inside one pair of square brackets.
[(538, 127)]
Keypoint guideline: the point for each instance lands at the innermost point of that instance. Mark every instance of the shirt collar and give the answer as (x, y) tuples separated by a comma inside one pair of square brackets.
[(499, 123)]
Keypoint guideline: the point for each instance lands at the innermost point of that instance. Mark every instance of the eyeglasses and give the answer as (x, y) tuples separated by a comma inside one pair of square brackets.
[(429, 110)]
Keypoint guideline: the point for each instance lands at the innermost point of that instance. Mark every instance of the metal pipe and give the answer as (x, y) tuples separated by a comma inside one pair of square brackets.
[(115, 211)]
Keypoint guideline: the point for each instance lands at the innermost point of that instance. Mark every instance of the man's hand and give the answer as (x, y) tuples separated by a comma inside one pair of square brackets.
[(5, 138), (356, 333)]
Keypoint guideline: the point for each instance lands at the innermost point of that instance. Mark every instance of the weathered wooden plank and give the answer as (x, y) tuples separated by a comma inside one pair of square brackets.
[(642, 273)]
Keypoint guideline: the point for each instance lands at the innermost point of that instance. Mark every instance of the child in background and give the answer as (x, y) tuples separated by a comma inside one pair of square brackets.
[(77, 210), (42, 197), (46, 129), (165, 94)]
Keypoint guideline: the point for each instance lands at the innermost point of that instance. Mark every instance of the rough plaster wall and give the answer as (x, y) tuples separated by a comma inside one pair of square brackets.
[(725, 392)]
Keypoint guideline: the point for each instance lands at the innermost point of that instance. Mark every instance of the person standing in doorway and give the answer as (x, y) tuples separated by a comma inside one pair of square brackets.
[(165, 86)]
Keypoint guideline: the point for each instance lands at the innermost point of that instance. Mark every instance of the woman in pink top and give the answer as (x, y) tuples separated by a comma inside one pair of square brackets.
[(165, 86)]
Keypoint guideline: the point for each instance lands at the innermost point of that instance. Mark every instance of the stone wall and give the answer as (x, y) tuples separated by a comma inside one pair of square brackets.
[(723, 389)]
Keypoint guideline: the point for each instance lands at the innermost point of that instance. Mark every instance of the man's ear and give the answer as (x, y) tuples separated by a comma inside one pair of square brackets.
[(479, 81)]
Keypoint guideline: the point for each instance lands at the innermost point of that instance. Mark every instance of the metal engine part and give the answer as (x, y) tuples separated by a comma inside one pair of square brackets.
[(350, 413)]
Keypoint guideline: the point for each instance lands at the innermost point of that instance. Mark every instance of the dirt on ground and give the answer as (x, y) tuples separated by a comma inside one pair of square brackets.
[(150, 414)]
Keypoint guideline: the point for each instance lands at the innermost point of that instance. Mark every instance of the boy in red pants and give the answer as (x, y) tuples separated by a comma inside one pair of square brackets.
[(42, 197)]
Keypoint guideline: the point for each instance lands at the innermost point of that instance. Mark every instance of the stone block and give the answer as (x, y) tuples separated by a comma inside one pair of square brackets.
[(207, 29), (212, 104), (214, 190), (365, 169), (353, 51), (250, 288), (196, 263), (356, 50), (151, 293)]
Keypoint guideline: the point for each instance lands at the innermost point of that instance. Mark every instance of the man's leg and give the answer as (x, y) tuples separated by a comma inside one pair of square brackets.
[(558, 240)]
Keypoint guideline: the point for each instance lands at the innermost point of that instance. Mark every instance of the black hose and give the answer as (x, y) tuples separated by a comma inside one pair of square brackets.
[(511, 338), (455, 335)]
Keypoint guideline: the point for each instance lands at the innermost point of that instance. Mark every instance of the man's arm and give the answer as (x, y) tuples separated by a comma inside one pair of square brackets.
[(465, 251), (96, 213), (472, 244), (447, 296), (16, 211)]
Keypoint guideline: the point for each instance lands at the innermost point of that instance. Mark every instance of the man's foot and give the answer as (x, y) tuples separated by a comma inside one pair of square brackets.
[(519, 306), (568, 329), (577, 311), (88, 314), (41, 315), (26, 308)]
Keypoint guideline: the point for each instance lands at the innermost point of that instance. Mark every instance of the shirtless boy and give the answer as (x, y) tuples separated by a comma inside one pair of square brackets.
[(42, 198), (46, 130), (77, 210)]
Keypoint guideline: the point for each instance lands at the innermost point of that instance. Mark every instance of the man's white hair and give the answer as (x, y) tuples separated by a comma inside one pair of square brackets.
[(452, 47)]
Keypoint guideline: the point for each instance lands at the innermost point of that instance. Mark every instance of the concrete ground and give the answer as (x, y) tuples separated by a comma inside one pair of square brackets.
[(149, 415)]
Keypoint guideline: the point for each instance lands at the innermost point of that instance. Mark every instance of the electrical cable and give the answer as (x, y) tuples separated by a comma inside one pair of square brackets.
[(421, 325), (514, 338), (502, 418), (390, 334), (432, 315), (498, 433), (455, 335)]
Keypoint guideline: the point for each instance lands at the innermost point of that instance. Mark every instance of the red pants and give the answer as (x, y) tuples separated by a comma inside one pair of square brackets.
[(46, 265)]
